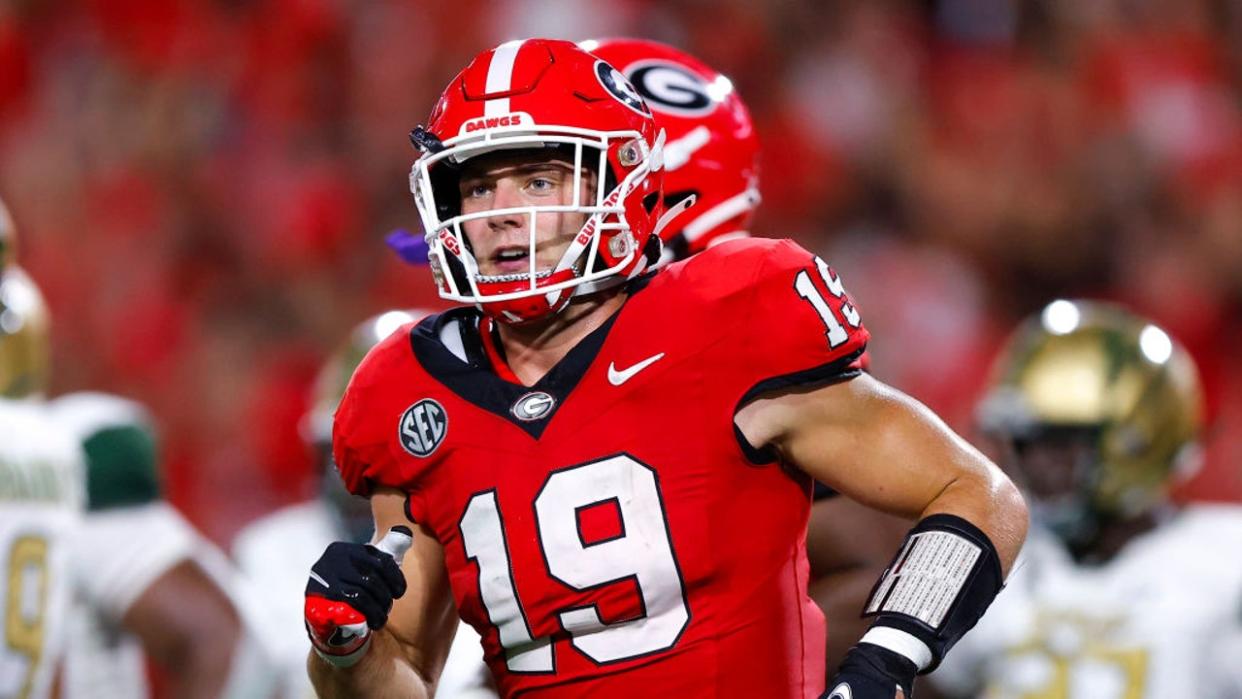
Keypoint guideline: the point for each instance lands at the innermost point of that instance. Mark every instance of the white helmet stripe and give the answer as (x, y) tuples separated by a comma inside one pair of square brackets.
[(500, 76), (720, 213)]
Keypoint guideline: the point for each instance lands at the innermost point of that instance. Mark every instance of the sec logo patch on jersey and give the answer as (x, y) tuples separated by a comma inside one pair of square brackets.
[(422, 428)]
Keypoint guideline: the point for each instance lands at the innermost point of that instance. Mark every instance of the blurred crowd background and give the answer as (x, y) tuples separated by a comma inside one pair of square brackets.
[(203, 186)]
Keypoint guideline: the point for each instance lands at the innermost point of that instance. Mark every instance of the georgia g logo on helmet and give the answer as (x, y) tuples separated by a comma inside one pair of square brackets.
[(617, 86), (669, 87)]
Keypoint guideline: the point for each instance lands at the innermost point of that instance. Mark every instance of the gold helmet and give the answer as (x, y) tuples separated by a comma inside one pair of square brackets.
[(24, 353), (1113, 383), (8, 239)]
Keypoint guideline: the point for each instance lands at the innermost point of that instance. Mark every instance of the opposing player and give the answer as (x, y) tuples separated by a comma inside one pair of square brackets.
[(275, 551), (602, 469), (712, 153), (40, 491), (1117, 594), (147, 584)]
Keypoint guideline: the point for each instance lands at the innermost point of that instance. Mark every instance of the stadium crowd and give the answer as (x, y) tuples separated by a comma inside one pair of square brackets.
[(204, 186)]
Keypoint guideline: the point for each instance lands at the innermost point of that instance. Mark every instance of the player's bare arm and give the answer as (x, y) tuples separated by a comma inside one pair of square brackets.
[(405, 654), (194, 642), (882, 448)]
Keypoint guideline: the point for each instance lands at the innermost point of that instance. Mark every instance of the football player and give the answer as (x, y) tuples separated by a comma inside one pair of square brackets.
[(711, 150), (147, 584), (40, 491), (275, 551), (1117, 593), (602, 469), (712, 154)]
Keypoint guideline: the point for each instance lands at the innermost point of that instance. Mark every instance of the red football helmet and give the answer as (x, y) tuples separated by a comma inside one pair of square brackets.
[(712, 150), (542, 94)]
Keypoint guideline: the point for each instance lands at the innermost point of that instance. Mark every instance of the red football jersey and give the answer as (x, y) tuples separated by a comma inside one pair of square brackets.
[(608, 531)]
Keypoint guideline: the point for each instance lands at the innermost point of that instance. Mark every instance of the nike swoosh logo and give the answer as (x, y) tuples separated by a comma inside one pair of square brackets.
[(616, 378)]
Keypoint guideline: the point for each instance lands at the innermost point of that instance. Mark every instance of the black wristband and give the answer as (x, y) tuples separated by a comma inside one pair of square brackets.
[(938, 586)]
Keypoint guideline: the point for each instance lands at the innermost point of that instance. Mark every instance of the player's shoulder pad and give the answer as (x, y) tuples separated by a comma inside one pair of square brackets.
[(763, 278), (38, 459), (797, 325), (731, 270), (120, 444), (385, 356)]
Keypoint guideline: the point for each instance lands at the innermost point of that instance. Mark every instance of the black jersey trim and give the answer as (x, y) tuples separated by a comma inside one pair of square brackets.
[(476, 382), (409, 511), (757, 456), (823, 492), (833, 372), (640, 282)]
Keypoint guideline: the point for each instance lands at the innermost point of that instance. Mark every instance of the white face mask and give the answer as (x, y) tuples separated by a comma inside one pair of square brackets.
[(581, 268)]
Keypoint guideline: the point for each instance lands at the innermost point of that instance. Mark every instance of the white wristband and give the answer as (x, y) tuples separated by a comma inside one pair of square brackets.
[(901, 643)]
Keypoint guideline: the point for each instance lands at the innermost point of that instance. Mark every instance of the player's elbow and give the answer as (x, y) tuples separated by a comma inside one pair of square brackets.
[(989, 500), (1008, 519), (1013, 506)]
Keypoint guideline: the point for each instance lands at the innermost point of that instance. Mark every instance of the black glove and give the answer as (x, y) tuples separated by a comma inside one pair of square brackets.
[(872, 672), (350, 592)]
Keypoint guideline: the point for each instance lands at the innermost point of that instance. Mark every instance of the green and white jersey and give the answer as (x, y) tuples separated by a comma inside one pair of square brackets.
[(132, 537), (1163, 618), (41, 474), (276, 553)]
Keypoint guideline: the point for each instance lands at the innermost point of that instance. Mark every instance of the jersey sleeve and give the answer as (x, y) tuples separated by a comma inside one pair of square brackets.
[(121, 551), (359, 448), (366, 422), (798, 326)]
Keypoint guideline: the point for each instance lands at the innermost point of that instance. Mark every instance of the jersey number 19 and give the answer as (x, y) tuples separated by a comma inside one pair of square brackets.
[(642, 552)]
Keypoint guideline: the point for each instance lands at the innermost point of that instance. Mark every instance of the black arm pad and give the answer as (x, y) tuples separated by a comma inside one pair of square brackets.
[(936, 589)]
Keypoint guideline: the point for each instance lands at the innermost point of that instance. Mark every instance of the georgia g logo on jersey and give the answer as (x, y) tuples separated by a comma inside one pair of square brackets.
[(620, 88), (533, 406), (422, 428), (669, 87)]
